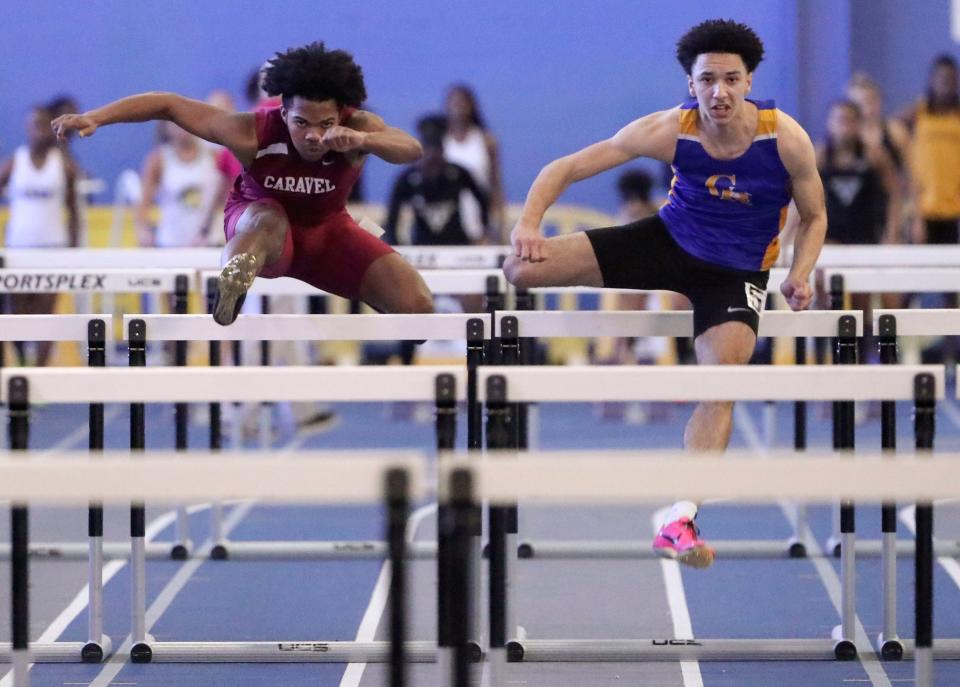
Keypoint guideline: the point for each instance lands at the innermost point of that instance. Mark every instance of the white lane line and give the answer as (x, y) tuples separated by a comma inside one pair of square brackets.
[(79, 603), (118, 660), (378, 600), (908, 518), (951, 410), (828, 576), (679, 611), (81, 432)]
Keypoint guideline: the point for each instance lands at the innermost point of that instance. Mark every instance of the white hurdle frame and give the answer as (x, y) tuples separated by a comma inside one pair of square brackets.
[(890, 325), (832, 256), (518, 384), (421, 257), (193, 385), (895, 279), (773, 323), (95, 331), (439, 281), (362, 327)]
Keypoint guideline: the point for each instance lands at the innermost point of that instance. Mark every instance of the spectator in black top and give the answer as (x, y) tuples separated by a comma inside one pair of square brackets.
[(861, 193), (433, 189)]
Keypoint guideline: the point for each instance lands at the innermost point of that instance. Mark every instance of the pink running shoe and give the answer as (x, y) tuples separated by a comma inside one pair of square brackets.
[(680, 540)]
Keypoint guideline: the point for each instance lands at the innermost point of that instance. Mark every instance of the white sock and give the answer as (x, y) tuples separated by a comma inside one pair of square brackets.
[(682, 509)]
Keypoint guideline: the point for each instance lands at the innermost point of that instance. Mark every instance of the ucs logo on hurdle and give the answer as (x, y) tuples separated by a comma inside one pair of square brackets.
[(675, 642), (307, 647)]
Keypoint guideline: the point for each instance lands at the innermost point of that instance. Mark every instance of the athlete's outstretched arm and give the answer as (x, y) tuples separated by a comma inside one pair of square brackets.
[(799, 158), (367, 134), (236, 131), (652, 136)]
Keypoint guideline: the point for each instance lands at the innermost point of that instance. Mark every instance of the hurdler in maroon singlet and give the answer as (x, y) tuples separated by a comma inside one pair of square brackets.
[(324, 246)]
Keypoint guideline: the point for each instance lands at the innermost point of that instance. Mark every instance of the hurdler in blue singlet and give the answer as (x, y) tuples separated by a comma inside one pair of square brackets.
[(728, 212)]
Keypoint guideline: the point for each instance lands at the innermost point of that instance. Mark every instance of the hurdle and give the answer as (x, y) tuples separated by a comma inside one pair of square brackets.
[(452, 326), (95, 332), (518, 327), (833, 256), (138, 385), (889, 279), (421, 257), (502, 386), (337, 328), (889, 326)]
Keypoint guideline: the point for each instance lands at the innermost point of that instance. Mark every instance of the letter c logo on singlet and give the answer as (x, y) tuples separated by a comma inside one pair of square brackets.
[(722, 186)]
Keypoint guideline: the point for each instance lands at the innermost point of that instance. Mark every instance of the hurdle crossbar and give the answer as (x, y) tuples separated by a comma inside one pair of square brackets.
[(439, 281), (543, 477), (86, 280), (344, 477), (777, 277), (455, 257), (896, 279), (888, 256), (207, 385), (375, 327), (917, 322), (581, 383), (51, 327), (183, 259), (546, 324)]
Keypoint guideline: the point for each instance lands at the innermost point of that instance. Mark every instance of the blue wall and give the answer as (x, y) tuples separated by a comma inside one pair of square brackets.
[(895, 41), (552, 77)]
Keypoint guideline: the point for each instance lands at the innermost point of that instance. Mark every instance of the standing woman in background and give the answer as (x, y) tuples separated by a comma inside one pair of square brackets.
[(861, 193), (40, 183), (935, 155), (180, 176), (469, 144)]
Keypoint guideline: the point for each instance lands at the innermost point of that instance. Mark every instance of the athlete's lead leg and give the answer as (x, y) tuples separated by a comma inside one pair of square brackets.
[(259, 240)]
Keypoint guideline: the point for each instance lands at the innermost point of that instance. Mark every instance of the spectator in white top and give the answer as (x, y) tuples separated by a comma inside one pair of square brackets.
[(39, 180), (470, 144), (180, 176)]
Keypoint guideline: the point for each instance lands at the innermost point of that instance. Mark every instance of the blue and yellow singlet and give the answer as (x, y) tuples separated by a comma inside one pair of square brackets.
[(728, 212)]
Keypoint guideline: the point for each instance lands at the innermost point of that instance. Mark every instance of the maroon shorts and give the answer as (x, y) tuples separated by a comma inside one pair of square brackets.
[(332, 255)]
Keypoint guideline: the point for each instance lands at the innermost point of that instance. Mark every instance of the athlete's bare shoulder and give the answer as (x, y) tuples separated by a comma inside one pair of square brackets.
[(653, 135), (794, 144)]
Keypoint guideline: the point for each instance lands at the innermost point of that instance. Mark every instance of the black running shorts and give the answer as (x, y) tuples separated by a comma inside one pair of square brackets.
[(643, 255)]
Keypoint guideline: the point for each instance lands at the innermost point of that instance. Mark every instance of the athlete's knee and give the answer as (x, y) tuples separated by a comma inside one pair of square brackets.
[(520, 273), (416, 301)]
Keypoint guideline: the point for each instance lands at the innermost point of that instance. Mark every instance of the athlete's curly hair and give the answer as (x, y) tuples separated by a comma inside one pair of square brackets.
[(720, 35), (315, 73)]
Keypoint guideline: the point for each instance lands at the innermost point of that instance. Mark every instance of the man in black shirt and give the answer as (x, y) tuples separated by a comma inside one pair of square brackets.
[(433, 189)]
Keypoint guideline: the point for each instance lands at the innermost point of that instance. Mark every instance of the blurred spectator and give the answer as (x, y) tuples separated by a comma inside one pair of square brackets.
[(435, 190), (84, 186), (876, 129), (181, 177), (859, 180), (861, 192), (470, 144), (634, 188), (40, 183), (935, 155)]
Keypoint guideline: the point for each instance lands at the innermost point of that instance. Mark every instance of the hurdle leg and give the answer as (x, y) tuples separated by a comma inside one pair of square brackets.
[(98, 645), (844, 440), (888, 642), (397, 502), (219, 550), (19, 427), (924, 414), (795, 546), (140, 651)]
